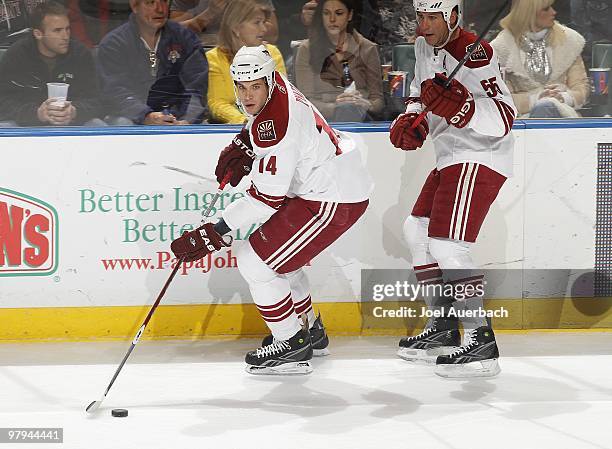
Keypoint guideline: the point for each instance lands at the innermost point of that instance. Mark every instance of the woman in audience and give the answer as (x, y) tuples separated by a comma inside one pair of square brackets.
[(542, 60), (337, 68), (244, 22)]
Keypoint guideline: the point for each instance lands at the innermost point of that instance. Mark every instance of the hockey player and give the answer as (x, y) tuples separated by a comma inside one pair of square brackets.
[(308, 187), (470, 124)]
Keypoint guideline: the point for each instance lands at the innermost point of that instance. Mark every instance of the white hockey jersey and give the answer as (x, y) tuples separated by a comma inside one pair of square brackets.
[(297, 155), (486, 139)]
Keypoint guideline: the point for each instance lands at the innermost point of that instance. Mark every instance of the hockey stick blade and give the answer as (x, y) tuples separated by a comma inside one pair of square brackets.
[(95, 405)]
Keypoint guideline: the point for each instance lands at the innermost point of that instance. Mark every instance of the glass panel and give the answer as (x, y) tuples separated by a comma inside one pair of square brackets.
[(165, 62)]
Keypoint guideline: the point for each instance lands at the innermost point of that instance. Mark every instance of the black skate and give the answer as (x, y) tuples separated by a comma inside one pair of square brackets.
[(282, 357), (318, 338), (442, 337), (477, 357)]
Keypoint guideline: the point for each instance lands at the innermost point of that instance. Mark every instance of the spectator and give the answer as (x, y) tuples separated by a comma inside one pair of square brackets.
[(203, 17), (290, 24), (592, 19), (478, 13), (91, 20), (544, 69), (367, 18), (399, 26), (15, 19), (48, 54), (153, 71), (243, 23), (332, 59)]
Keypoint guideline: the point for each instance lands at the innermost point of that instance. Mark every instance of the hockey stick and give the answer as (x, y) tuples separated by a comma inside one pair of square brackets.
[(176, 169), (473, 48), (96, 404)]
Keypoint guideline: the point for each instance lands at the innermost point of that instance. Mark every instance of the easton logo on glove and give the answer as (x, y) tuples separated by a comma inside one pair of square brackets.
[(243, 146), (236, 158), (198, 243)]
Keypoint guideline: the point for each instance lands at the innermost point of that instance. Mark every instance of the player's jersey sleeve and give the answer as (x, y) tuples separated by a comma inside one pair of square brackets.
[(413, 105), (494, 109)]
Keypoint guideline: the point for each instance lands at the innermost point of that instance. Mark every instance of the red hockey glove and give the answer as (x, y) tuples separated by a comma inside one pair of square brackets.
[(455, 104), (403, 136), (198, 243), (238, 157)]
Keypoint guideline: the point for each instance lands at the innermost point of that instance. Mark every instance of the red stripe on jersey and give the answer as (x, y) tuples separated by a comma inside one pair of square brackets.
[(425, 267), (509, 113), (504, 115), (274, 202)]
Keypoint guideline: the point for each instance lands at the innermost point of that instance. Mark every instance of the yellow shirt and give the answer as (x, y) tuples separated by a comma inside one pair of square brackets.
[(221, 97)]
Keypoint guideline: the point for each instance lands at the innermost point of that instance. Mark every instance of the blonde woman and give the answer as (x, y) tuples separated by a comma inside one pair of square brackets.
[(244, 22), (542, 58)]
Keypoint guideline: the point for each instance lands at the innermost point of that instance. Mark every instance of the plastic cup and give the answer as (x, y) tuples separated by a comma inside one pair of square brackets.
[(600, 78), (59, 92), (386, 68)]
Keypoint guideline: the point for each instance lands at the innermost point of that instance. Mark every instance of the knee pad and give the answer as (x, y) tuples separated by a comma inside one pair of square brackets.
[(298, 281), (452, 254), (415, 235), (251, 267)]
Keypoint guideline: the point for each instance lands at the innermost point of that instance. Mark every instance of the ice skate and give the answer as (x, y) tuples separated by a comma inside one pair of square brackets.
[(318, 338), (441, 338), (282, 357), (477, 357)]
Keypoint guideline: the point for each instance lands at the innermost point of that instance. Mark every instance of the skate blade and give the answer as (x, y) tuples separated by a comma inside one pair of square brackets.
[(320, 352), (424, 356), (483, 368), (286, 369)]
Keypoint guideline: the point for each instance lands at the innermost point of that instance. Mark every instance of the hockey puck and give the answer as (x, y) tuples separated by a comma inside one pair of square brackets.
[(119, 412)]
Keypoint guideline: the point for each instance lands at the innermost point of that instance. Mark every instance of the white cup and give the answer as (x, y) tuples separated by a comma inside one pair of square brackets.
[(59, 92)]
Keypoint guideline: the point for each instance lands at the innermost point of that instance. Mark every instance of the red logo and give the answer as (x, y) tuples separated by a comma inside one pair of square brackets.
[(28, 235)]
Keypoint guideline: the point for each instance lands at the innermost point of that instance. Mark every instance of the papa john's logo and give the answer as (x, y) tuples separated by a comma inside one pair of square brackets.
[(265, 131), (28, 235)]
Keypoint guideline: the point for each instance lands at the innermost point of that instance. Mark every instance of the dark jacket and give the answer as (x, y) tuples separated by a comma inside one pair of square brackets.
[(24, 77), (133, 90)]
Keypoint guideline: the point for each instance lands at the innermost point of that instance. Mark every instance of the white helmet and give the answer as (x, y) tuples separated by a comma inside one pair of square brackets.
[(253, 63), (445, 7)]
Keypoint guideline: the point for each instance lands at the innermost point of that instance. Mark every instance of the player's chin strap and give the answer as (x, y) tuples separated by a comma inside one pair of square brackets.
[(239, 103), (448, 38)]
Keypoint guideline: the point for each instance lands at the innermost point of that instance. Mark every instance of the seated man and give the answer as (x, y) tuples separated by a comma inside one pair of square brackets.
[(46, 55), (153, 71)]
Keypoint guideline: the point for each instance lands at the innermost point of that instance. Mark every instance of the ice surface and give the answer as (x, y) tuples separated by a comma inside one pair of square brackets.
[(555, 391)]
